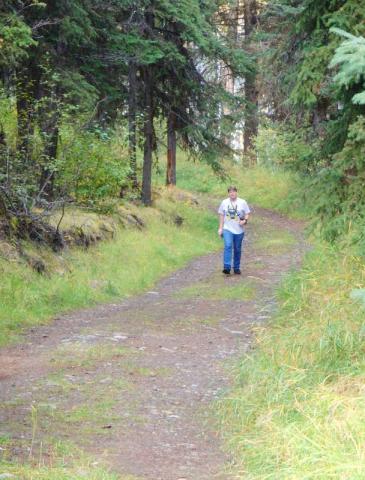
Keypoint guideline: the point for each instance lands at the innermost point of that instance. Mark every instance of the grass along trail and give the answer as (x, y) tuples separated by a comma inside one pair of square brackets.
[(124, 390)]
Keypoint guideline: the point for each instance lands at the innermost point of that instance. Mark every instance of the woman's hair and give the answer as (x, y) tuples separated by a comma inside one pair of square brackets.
[(232, 188)]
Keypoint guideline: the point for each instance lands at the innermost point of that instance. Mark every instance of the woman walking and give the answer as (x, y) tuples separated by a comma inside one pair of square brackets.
[(233, 215)]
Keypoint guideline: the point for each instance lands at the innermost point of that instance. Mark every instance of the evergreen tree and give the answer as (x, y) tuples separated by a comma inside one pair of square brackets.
[(317, 84), (149, 59)]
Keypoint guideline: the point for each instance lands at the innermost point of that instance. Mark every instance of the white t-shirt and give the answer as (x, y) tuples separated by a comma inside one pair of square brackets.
[(233, 212)]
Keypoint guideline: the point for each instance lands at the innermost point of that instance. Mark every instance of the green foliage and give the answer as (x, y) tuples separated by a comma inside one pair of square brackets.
[(15, 40), (350, 57), (303, 48), (339, 189), (323, 79), (79, 95), (279, 146), (101, 166), (309, 84), (8, 119), (76, 59), (331, 193)]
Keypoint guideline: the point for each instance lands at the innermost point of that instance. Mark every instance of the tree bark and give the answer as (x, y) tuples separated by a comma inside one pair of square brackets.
[(319, 116), (49, 126), (46, 184), (171, 150), (251, 92), (27, 81), (148, 124), (148, 139), (251, 113), (132, 130), (228, 78)]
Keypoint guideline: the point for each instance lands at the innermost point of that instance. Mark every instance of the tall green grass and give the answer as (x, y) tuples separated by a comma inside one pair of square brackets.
[(298, 407)]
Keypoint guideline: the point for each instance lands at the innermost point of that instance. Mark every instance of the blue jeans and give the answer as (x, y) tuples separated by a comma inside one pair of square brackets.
[(232, 241)]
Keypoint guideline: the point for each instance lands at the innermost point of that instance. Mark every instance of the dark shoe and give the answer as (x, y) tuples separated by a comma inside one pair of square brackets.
[(226, 271), (237, 272)]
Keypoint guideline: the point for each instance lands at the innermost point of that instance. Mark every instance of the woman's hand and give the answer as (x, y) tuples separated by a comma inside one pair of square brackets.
[(220, 231)]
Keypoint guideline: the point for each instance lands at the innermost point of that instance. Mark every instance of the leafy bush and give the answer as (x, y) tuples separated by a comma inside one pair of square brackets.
[(339, 189), (280, 146), (94, 163)]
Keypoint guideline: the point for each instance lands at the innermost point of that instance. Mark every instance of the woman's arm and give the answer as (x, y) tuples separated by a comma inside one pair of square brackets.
[(244, 220), (221, 222)]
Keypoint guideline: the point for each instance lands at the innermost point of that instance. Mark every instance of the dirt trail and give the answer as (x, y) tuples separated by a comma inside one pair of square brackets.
[(132, 383)]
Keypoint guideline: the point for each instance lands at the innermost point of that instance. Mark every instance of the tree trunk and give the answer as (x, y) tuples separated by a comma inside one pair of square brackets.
[(251, 92), (251, 113), (228, 79), (319, 116), (132, 131), (171, 150), (50, 153), (148, 139), (48, 122), (26, 86), (148, 124)]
